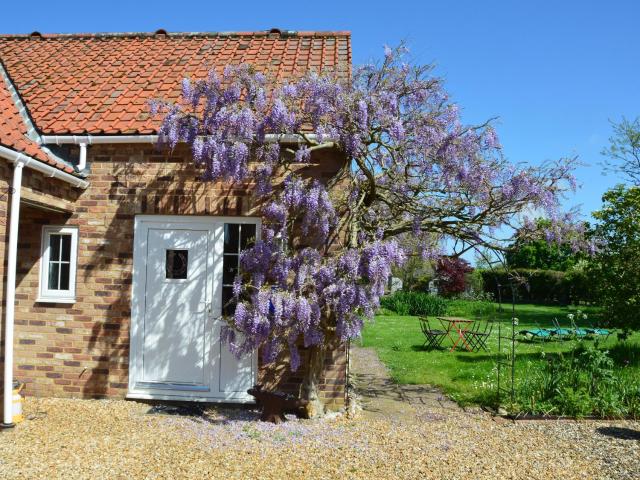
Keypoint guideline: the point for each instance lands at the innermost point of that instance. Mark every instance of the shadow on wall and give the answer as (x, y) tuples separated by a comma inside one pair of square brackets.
[(87, 351), (141, 180), (31, 314)]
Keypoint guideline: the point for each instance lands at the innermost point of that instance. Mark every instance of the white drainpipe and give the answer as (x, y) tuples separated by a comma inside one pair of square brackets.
[(14, 219), (19, 161), (82, 161)]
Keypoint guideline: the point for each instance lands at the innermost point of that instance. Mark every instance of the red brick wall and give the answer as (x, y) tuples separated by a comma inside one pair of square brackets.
[(82, 349)]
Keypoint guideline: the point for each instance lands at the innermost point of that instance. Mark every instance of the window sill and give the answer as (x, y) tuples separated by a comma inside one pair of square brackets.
[(56, 300)]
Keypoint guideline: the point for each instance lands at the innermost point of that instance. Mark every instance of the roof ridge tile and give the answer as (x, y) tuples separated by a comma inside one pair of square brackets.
[(125, 35)]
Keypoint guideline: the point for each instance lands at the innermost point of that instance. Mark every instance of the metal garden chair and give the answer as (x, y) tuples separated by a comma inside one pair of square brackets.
[(478, 337), (433, 336), (469, 333)]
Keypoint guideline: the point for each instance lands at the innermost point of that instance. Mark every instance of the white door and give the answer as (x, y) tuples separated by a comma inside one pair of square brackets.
[(183, 267)]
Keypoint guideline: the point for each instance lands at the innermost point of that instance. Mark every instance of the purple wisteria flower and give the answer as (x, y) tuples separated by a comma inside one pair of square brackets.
[(406, 165)]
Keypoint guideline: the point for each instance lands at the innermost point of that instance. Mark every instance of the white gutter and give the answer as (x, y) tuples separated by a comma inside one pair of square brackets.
[(97, 139), (42, 167), (112, 139), (14, 219)]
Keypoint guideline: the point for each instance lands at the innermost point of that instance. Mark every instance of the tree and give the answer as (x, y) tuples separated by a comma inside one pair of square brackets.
[(616, 268), (623, 151), (540, 254), (452, 272), (327, 248), (416, 271)]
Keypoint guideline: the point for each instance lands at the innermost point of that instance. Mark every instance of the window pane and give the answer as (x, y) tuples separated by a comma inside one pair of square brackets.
[(228, 304), (66, 248), (54, 247), (64, 276), (248, 236), (177, 264), (54, 271), (229, 269), (231, 237)]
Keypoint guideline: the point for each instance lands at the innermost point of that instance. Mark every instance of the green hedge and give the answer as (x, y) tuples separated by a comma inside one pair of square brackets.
[(538, 286), (414, 303)]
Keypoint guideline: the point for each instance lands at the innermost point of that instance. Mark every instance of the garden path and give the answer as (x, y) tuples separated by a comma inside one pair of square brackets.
[(380, 396)]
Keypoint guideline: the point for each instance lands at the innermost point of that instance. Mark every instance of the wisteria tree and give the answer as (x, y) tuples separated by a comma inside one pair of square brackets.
[(327, 248)]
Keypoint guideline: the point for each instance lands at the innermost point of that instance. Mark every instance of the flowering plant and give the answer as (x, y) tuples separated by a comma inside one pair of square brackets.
[(408, 167), (579, 315)]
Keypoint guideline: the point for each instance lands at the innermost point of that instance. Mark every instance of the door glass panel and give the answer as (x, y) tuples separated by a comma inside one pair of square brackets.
[(247, 236), (229, 269), (228, 306), (177, 263), (237, 237), (231, 237)]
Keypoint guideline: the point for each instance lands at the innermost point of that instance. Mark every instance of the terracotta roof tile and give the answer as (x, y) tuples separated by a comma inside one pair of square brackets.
[(103, 82), (13, 131)]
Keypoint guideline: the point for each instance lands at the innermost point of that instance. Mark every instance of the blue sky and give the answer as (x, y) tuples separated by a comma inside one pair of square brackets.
[(555, 72)]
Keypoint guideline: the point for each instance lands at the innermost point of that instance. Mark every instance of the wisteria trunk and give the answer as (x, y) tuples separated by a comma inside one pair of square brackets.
[(311, 381)]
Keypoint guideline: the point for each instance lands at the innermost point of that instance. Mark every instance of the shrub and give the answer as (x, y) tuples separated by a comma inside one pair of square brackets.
[(475, 285), (414, 303), (451, 273), (580, 284), (421, 284), (582, 383)]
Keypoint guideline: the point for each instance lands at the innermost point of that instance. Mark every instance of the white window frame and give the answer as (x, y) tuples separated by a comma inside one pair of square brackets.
[(58, 296)]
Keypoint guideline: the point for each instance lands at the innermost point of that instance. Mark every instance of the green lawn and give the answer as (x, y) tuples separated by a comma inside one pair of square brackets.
[(470, 377)]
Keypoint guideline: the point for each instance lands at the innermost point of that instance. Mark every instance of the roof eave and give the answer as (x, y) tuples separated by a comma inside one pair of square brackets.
[(34, 164)]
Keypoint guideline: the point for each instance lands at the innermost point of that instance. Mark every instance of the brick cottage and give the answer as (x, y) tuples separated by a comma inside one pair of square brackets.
[(116, 258)]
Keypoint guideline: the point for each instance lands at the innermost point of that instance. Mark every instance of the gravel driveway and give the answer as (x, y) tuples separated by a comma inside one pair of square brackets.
[(403, 432), (96, 439)]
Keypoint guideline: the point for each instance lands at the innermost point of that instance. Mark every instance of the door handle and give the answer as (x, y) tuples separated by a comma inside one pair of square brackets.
[(205, 307)]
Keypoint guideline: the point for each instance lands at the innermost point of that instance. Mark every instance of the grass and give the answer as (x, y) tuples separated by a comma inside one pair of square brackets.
[(467, 377)]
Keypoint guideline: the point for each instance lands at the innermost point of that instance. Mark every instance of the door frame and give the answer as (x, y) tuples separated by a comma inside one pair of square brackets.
[(138, 293)]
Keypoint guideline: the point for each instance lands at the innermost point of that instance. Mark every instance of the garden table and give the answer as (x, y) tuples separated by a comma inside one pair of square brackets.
[(460, 325)]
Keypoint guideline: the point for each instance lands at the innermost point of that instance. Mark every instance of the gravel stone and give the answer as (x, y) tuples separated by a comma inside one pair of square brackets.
[(81, 439)]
